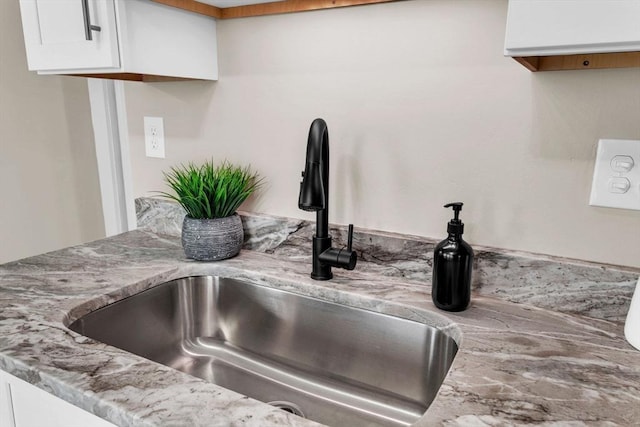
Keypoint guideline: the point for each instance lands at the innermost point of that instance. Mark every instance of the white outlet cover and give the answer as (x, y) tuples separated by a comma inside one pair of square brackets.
[(616, 175), (154, 137)]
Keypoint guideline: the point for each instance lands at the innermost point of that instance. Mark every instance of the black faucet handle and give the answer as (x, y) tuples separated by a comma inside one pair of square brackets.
[(342, 258), (348, 257)]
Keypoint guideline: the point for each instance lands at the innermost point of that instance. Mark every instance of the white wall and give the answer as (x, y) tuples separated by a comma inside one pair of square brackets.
[(422, 109), (48, 177)]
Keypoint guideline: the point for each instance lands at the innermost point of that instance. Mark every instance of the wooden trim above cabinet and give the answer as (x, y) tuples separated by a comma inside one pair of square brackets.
[(290, 6), (580, 62), (276, 7), (132, 77), (194, 6)]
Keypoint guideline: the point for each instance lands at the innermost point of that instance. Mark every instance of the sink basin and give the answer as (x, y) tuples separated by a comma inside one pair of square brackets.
[(331, 363)]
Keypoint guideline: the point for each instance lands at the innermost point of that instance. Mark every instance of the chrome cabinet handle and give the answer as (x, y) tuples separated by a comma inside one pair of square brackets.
[(88, 27)]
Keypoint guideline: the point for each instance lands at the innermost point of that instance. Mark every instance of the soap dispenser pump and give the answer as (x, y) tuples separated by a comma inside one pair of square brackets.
[(452, 266)]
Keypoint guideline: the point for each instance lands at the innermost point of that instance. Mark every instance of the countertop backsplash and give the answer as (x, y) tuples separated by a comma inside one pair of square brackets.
[(570, 286)]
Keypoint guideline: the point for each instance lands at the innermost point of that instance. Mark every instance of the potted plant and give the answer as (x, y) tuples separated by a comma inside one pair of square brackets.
[(210, 194)]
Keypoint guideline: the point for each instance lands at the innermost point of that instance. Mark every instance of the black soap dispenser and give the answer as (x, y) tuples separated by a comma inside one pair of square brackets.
[(452, 265)]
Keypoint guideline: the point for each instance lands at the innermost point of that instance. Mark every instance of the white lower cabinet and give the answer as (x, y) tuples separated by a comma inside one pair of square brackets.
[(25, 405)]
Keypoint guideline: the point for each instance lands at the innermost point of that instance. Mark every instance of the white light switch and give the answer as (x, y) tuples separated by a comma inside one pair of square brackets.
[(616, 176)]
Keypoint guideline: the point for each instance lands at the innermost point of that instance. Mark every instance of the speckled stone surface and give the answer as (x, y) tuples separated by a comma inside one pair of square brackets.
[(569, 286), (517, 364)]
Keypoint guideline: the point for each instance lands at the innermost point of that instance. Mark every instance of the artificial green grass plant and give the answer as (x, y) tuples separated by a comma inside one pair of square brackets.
[(211, 191)]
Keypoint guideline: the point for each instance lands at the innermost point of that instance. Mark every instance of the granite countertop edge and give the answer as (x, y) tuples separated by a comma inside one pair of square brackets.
[(517, 364)]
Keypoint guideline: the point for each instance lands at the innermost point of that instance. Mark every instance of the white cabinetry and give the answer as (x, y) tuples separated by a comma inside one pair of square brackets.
[(54, 33), (128, 39), (25, 405), (541, 28)]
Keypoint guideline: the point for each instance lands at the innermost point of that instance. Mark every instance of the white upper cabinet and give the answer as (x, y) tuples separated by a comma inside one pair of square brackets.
[(59, 34), (129, 39), (566, 27)]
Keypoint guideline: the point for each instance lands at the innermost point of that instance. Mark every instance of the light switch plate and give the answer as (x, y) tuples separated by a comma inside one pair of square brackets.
[(616, 175), (154, 137)]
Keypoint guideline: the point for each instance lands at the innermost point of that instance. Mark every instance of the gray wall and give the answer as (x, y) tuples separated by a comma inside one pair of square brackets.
[(48, 174), (422, 109)]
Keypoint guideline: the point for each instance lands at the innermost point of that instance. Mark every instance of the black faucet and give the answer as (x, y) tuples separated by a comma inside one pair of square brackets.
[(314, 196)]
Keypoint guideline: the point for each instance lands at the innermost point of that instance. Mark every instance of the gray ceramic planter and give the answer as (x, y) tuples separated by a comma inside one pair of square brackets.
[(212, 239)]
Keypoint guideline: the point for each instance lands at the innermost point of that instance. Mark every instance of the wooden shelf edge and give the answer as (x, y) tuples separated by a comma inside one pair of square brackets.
[(134, 77), (276, 7), (529, 62), (587, 61), (194, 6), (290, 6)]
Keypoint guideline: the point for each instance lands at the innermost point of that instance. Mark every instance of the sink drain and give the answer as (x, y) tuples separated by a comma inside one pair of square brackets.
[(287, 407)]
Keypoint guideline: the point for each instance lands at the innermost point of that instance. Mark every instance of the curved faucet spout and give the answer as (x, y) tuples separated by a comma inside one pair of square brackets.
[(314, 196), (318, 143), (314, 188)]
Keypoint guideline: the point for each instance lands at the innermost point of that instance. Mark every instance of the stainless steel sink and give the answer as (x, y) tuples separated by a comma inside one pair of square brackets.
[(331, 363)]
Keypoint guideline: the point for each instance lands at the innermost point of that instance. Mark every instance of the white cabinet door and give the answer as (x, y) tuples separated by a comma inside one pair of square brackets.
[(6, 406), (561, 27), (58, 34), (137, 39), (25, 405)]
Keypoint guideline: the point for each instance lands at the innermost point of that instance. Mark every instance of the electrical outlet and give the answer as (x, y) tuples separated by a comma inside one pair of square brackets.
[(154, 137), (616, 176)]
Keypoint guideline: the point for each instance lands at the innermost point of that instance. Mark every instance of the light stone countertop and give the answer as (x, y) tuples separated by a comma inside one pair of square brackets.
[(517, 364)]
